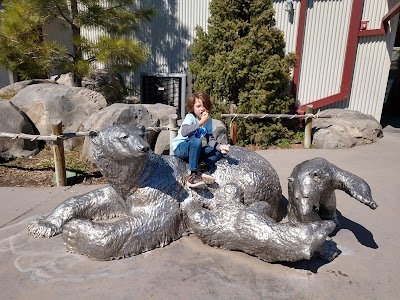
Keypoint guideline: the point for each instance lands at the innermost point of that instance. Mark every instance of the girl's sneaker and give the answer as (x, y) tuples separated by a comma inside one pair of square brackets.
[(202, 167), (207, 178), (195, 181)]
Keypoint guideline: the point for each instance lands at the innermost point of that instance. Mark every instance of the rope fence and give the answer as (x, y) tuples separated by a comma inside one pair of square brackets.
[(57, 137), (276, 116), (308, 117), (65, 135)]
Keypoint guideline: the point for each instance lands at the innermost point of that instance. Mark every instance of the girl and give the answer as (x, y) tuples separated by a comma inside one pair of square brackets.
[(195, 142)]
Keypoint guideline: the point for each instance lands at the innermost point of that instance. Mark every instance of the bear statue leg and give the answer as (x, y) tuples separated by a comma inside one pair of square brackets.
[(129, 236), (249, 230), (102, 203), (271, 241)]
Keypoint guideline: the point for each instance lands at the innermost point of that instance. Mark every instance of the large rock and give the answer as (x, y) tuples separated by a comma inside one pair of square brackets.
[(109, 85), (44, 103), (161, 112), (65, 79), (118, 113), (102, 81), (11, 90), (345, 129), (219, 132), (13, 121)]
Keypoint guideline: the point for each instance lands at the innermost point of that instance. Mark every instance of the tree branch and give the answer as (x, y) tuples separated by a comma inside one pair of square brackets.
[(62, 13)]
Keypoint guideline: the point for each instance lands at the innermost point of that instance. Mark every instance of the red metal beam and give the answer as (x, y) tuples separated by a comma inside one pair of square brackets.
[(385, 23), (351, 51)]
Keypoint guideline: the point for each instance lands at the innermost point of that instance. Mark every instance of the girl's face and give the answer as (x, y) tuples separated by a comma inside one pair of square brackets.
[(199, 108)]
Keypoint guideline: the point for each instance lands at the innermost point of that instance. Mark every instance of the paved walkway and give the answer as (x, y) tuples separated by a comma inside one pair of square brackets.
[(367, 268)]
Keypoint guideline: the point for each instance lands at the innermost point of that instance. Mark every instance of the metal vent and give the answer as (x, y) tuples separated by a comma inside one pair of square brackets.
[(169, 89)]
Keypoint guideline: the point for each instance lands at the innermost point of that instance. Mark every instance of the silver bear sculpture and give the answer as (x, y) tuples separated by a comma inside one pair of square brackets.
[(154, 207), (312, 186)]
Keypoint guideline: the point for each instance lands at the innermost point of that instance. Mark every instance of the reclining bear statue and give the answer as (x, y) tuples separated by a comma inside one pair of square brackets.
[(153, 206)]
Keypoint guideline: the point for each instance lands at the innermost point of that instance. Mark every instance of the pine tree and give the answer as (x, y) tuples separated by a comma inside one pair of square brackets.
[(240, 59), (21, 42), (24, 50)]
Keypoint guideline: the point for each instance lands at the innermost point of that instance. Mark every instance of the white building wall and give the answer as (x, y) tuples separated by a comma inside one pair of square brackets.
[(170, 34), (288, 23), (324, 47), (373, 61)]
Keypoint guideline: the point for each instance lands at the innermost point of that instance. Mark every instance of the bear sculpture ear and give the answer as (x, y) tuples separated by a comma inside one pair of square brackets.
[(291, 179), (93, 133), (142, 130)]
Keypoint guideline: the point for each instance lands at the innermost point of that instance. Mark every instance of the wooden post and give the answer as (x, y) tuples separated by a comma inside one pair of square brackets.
[(308, 128), (233, 127), (59, 158), (172, 124)]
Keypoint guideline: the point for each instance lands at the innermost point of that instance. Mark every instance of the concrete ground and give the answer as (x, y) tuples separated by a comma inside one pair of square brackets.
[(367, 268)]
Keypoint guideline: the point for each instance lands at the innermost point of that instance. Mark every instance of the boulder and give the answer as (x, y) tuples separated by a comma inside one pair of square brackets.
[(218, 128), (65, 79), (162, 144), (11, 90), (118, 113), (161, 112), (14, 121), (345, 129), (106, 83), (45, 103), (220, 132)]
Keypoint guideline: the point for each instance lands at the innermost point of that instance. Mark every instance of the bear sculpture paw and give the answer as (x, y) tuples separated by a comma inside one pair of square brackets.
[(42, 228)]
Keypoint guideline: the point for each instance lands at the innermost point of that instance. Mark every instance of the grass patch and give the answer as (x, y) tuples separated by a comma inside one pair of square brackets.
[(72, 162)]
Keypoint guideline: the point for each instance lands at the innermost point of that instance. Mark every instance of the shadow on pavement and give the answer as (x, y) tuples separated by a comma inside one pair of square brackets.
[(329, 251), (363, 235)]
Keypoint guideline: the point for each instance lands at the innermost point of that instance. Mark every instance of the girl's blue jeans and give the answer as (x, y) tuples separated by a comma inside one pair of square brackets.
[(192, 152)]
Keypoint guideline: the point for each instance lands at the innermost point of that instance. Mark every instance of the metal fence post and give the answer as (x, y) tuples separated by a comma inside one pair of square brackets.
[(59, 158)]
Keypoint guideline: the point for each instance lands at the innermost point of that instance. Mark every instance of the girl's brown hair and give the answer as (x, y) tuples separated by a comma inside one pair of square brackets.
[(204, 97)]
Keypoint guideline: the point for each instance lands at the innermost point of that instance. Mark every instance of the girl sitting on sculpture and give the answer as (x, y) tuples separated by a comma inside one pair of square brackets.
[(195, 142)]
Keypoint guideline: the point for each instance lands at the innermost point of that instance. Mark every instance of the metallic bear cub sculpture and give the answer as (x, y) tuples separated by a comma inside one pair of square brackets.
[(312, 186), (154, 207)]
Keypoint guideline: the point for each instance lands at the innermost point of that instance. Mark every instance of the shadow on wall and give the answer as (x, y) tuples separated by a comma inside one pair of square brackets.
[(167, 39)]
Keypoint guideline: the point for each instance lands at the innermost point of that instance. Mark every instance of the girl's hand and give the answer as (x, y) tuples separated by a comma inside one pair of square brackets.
[(224, 149), (204, 118)]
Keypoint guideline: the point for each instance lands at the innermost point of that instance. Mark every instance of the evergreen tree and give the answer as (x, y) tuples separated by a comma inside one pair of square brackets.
[(23, 48), (240, 59), (21, 42)]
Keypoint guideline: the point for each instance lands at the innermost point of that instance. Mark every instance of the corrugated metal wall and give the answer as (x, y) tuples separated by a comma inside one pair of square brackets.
[(56, 30), (170, 34), (373, 62), (325, 40), (288, 23), (4, 79)]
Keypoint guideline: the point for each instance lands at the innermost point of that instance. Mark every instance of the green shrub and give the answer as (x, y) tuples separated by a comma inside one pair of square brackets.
[(241, 60)]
